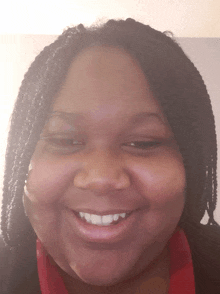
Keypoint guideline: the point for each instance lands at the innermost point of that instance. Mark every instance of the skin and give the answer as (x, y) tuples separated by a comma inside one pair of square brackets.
[(105, 167)]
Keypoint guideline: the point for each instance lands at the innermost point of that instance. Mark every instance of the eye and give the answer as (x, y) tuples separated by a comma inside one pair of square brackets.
[(62, 144), (142, 148), (144, 144)]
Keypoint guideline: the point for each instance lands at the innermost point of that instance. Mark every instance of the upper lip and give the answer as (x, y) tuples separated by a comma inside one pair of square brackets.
[(103, 212)]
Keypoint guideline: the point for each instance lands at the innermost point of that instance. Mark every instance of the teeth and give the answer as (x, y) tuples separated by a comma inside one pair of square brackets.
[(107, 219), (96, 219), (87, 217), (82, 214), (104, 220)]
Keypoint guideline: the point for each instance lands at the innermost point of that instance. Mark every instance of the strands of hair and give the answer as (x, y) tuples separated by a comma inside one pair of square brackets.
[(175, 82)]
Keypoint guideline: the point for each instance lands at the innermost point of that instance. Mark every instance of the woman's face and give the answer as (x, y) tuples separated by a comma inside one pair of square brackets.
[(106, 189)]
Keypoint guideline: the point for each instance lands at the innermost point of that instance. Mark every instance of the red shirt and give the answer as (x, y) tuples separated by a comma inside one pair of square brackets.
[(181, 269)]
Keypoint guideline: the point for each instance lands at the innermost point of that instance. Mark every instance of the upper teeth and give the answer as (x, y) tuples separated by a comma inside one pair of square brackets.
[(101, 220)]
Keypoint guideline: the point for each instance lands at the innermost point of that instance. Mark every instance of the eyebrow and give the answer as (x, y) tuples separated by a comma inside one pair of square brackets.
[(134, 120), (67, 116), (145, 116)]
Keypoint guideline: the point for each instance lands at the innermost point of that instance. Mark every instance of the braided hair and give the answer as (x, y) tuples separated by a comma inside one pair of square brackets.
[(173, 79)]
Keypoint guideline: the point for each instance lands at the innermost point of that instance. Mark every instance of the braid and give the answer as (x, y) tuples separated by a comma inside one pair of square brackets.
[(175, 82), (40, 85)]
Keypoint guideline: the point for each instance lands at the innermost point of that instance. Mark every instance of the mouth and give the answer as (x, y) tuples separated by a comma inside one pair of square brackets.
[(104, 227), (102, 220)]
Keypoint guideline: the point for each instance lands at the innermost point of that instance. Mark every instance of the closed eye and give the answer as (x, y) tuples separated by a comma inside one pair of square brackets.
[(143, 148), (143, 144), (62, 144)]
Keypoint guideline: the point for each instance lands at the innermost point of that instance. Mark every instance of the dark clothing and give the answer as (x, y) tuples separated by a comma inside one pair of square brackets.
[(18, 267)]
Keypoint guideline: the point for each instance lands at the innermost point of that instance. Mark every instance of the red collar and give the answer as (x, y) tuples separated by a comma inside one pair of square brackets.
[(181, 266), (181, 269)]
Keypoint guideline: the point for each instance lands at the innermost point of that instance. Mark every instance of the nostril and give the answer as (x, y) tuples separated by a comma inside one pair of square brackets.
[(101, 182)]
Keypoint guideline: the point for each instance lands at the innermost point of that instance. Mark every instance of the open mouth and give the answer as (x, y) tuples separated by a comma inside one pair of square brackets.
[(104, 227), (102, 220)]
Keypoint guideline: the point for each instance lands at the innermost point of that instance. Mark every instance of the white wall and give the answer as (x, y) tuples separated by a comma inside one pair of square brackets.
[(186, 18)]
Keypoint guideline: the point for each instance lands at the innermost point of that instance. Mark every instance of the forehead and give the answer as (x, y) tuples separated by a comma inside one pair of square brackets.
[(105, 80)]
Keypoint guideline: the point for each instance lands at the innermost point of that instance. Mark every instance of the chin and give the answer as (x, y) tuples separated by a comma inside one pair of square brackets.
[(101, 281), (100, 277)]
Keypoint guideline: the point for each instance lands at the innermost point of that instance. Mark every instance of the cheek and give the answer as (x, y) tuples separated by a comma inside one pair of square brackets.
[(45, 220), (161, 180), (49, 178)]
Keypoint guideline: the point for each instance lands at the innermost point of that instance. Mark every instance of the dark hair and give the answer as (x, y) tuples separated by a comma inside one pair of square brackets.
[(173, 79)]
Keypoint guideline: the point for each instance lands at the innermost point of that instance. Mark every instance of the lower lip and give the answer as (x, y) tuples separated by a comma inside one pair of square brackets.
[(105, 234)]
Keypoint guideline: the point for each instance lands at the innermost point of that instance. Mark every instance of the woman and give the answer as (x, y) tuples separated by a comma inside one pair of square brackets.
[(110, 166)]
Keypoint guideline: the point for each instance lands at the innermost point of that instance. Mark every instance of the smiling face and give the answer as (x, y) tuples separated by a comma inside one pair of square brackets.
[(106, 190)]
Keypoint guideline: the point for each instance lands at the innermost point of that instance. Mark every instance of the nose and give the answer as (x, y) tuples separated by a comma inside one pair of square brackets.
[(102, 172)]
